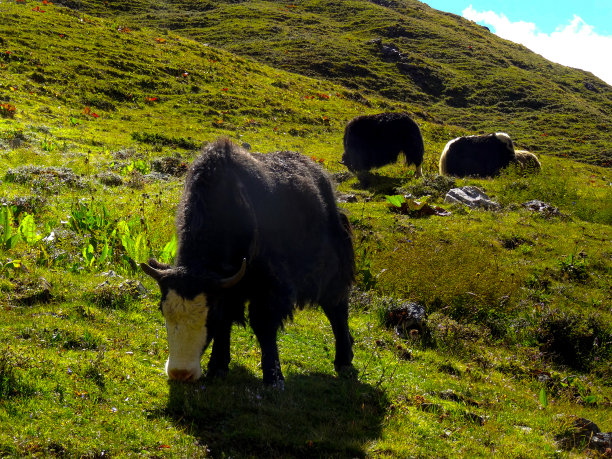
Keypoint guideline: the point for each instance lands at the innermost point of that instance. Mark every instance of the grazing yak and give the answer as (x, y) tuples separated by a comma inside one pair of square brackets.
[(373, 141), (256, 229), (527, 161), (477, 155)]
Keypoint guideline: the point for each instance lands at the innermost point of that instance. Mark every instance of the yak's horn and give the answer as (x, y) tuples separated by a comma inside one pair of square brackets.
[(234, 279), (156, 274)]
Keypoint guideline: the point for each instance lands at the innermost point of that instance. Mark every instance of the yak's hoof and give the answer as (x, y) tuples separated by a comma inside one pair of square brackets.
[(217, 373), (346, 371), (276, 381), (278, 384)]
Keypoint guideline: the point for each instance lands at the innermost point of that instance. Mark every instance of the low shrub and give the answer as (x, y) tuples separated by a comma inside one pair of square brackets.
[(116, 295), (110, 179), (433, 185), (452, 336), (49, 179), (573, 339)]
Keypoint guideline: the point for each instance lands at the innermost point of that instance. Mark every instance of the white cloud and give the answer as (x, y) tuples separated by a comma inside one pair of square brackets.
[(575, 44)]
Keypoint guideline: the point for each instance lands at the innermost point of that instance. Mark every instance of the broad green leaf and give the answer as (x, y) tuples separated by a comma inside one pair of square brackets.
[(12, 241), (27, 228), (543, 397), (104, 253), (169, 251), (396, 200), (6, 218)]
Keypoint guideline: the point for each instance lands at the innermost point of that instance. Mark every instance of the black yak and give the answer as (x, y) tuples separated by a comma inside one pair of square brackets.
[(477, 155), (256, 229), (373, 141)]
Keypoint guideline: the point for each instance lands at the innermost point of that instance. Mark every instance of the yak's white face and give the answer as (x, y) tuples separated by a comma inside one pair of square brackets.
[(187, 334), (505, 138)]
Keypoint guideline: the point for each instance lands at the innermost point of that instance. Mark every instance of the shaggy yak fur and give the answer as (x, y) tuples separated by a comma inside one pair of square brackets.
[(277, 215), (477, 155), (373, 141), (527, 161)]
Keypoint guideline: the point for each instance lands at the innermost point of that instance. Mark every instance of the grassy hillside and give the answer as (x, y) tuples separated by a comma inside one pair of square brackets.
[(447, 68), (99, 118)]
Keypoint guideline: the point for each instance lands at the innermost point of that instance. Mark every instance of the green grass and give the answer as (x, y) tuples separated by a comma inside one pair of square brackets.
[(517, 302)]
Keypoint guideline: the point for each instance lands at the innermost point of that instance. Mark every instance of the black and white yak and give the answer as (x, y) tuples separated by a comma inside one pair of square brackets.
[(477, 155), (256, 229), (372, 141)]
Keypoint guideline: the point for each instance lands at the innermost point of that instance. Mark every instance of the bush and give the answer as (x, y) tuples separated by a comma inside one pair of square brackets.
[(113, 295), (573, 339), (451, 336), (110, 179), (432, 185)]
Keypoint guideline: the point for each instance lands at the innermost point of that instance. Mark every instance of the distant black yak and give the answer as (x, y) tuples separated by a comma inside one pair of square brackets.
[(373, 141), (477, 155), (256, 229)]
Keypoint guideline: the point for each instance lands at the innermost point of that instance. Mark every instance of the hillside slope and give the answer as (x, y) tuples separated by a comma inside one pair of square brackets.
[(447, 68), (99, 118)]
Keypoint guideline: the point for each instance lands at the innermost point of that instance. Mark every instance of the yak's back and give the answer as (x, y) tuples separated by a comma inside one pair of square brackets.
[(479, 155), (276, 209)]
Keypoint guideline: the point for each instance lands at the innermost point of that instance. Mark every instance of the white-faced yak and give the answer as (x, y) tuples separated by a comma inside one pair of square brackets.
[(527, 161), (477, 155), (373, 141), (256, 229)]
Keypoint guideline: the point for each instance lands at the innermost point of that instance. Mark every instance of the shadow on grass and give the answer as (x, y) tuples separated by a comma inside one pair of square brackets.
[(377, 183), (316, 415)]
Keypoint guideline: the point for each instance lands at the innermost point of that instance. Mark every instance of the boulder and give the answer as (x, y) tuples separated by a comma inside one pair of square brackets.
[(472, 197), (542, 208)]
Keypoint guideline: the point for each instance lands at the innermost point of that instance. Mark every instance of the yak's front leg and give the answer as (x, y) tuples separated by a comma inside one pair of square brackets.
[(218, 365), (266, 328)]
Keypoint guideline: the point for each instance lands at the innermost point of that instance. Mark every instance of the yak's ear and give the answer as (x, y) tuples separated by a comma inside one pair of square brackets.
[(155, 269)]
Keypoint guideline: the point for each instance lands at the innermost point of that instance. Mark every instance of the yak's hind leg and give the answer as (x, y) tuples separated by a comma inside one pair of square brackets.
[(337, 313)]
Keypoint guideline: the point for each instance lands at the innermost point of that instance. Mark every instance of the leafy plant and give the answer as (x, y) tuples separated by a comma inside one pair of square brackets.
[(574, 267), (168, 252), (26, 231), (407, 205), (136, 165), (10, 265), (10, 237), (365, 278), (136, 246), (48, 145), (543, 397), (93, 219)]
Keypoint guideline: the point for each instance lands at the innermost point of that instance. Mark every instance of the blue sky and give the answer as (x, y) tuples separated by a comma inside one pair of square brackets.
[(573, 33)]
